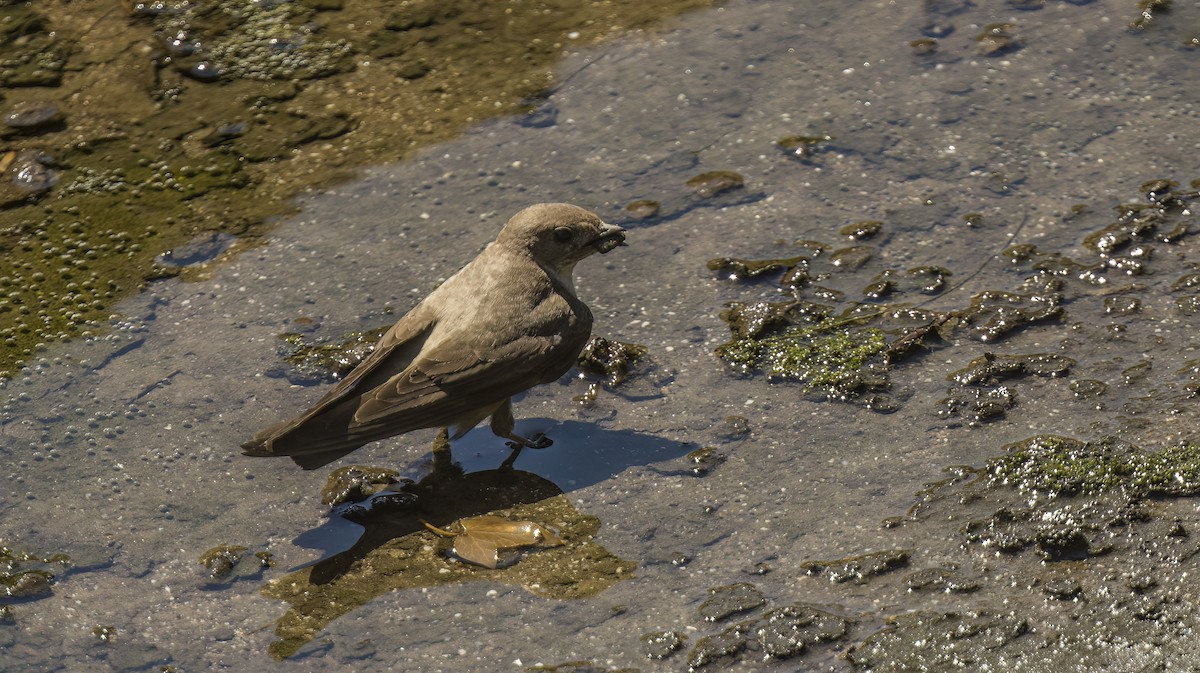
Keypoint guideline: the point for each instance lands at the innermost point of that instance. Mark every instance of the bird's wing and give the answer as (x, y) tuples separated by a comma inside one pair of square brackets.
[(447, 383), (394, 352)]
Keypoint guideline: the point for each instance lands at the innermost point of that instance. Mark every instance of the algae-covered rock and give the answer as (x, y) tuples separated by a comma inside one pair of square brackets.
[(730, 600), (931, 641), (789, 631), (220, 560), (802, 147), (399, 551), (609, 359), (859, 569), (661, 644), (828, 358), (356, 482), (227, 563), (781, 633), (309, 362), (1062, 466), (713, 183)]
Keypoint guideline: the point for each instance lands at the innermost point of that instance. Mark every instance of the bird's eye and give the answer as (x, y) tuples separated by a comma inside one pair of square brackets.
[(563, 234)]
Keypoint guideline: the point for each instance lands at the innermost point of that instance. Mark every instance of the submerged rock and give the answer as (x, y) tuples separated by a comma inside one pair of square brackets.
[(936, 641), (356, 482), (201, 249), (29, 118), (731, 600), (708, 185), (859, 569), (661, 644)]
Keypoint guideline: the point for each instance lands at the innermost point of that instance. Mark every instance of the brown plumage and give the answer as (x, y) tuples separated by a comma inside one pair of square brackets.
[(504, 323)]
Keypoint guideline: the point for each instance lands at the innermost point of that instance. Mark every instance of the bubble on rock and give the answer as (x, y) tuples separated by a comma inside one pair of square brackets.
[(203, 72), (662, 644), (25, 173)]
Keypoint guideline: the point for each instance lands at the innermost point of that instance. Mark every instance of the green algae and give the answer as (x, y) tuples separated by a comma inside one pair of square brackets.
[(1032, 522), (104, 634), (997, 39), (228, 563), (32, 54), (398, 551), (802, 147), (1148, 11), (226, 111), (619, 367), (642, 209), (1061, 466), (735, 268), (26, 584), (801, 334), (990, 368), (827, 358), (26, 575), (220, 560), (705, 460), (239, 40), (861, 230), (977, 404), (713, 183), (322, 361)]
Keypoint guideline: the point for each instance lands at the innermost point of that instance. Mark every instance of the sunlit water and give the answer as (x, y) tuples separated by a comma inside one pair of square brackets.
[(122, 451)]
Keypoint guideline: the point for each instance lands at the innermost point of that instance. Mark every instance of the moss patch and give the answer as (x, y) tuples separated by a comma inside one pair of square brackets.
[(827, 358), (223, 113), (1061, 466)]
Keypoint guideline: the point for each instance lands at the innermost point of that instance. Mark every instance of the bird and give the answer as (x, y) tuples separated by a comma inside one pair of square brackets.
[(507, 321)]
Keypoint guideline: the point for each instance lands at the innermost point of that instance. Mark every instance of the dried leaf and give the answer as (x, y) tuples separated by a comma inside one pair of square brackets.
[(474, 550), (483, 537)]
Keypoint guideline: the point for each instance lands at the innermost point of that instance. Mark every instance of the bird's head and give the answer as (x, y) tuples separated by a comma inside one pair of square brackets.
[(558, 234)]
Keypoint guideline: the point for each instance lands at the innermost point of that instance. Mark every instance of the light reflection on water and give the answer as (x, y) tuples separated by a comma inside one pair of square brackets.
[(125, 448)]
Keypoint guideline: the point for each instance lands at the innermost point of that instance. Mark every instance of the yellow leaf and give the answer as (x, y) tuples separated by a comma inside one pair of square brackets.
[(483, 537)]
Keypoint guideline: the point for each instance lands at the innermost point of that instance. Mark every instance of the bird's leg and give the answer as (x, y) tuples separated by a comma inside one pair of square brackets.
[(441, 451), (512, 457), (503, 424)]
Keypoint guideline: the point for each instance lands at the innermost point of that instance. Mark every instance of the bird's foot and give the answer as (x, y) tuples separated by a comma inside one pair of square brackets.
[(538, 441)]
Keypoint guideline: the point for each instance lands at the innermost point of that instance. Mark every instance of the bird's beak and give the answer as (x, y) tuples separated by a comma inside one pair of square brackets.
[(613, 237)]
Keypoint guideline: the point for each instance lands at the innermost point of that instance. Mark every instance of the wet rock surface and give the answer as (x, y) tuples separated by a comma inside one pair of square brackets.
[(730, 600), (1006, 231), (223, 111)]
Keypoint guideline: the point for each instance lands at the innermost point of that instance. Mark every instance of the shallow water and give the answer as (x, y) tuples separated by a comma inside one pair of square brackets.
[(122, 451)]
